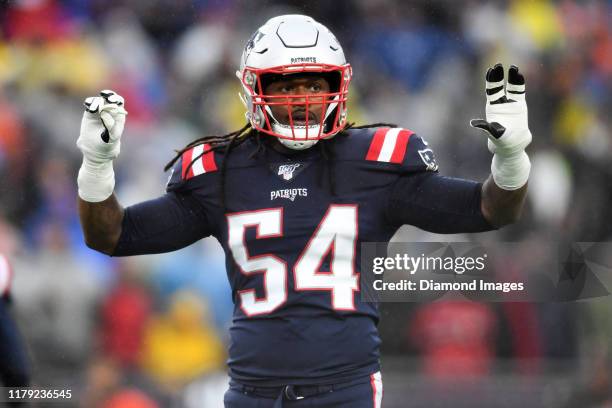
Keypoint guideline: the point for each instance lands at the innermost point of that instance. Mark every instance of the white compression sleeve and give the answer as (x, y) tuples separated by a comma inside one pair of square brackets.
[(96, 181), (510, 172)]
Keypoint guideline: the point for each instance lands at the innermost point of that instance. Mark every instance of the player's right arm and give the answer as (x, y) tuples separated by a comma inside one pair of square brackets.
[(101, 223), (164, 224), (100, 142)]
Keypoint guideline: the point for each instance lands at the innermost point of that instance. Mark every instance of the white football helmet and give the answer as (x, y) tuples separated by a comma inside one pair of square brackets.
[(294, 44)]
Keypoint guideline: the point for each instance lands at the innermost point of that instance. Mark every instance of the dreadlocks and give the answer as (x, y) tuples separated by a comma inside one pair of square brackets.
[(233, 139), (215, 142), (227, 142)]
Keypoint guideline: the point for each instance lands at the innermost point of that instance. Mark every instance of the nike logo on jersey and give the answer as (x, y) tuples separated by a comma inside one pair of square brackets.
[(289, 193), (287, 171)]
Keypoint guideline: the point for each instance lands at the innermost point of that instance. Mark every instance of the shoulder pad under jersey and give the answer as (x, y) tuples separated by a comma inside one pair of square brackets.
[(397, 149)]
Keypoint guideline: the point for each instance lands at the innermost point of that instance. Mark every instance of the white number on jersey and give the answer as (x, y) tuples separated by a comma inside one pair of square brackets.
[(269, 225), (335, 235)]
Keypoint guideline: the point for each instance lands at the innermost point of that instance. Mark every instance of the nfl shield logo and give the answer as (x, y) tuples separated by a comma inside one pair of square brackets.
[(286, 171)]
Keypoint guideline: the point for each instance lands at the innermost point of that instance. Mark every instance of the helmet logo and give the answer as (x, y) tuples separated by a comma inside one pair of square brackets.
[(257, 35)]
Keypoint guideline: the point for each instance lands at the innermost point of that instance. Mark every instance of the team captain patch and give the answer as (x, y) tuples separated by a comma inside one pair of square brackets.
[(389, 145), (204, 163)]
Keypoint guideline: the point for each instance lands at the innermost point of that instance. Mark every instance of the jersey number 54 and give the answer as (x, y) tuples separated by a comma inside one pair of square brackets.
[(335, 235)]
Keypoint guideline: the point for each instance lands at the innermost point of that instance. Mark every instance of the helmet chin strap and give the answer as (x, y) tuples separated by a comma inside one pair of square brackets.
[(300, 134)]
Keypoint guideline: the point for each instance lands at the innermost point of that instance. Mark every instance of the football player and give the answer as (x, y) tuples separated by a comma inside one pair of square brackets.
[(290, 197)]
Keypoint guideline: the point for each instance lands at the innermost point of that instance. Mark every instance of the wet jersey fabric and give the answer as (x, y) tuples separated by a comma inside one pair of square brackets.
[(293, 247)]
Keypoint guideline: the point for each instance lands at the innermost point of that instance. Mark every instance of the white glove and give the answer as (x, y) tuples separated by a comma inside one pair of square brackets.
[(506, 127), (100, 142), (101, 127)]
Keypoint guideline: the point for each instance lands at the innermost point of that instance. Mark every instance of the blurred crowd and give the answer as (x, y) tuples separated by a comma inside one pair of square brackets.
[(151, 331)]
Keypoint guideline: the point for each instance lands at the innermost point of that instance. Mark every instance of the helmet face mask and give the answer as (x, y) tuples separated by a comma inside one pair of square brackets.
[(288, 39)]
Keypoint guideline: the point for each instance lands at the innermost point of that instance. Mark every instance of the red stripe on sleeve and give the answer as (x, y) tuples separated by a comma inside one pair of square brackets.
[(186, 160), (209, 159), (399, 151), (376, 145)]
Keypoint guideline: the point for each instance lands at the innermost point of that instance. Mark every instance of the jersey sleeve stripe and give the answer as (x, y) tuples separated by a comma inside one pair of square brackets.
[(204, 163), (209, 160), (400, 146), (198, 165), (186, 160), (389, 145), (376, 145), (386, 152)]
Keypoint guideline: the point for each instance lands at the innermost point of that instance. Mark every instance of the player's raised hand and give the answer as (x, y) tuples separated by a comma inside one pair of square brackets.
[(506, 112), (100, 142), (102, 126)]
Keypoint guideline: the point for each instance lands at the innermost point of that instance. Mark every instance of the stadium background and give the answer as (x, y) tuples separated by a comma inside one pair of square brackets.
[(150, 331)]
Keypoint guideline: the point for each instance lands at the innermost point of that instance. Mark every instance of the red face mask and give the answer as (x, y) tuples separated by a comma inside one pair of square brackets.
[(298, 113)]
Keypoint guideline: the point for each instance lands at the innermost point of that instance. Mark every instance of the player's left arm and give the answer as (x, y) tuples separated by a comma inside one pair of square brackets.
[(501, 207), (503, 193)]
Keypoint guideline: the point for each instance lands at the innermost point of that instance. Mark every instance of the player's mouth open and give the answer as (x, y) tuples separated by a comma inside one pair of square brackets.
[(299, 118)]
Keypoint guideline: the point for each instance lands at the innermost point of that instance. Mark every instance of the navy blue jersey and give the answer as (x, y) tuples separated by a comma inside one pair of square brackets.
[(293, 246)]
